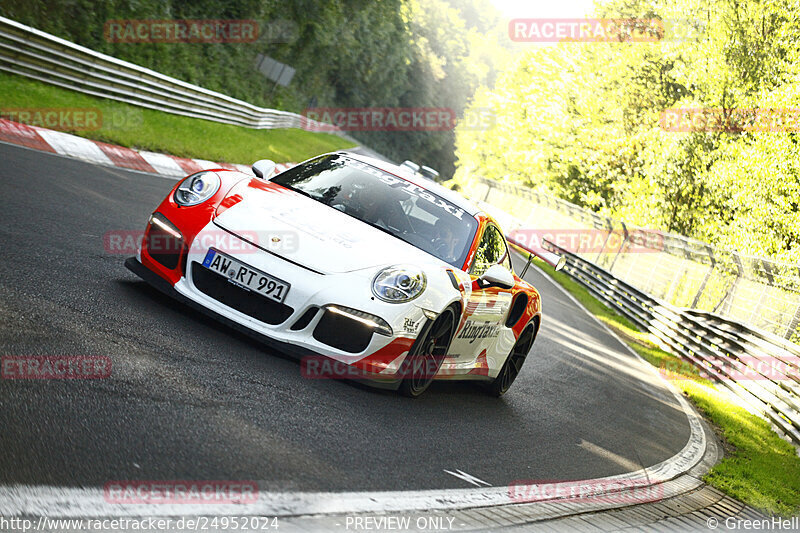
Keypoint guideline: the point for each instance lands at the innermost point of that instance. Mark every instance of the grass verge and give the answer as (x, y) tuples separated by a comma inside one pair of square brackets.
[(759, 468), (147, 129)]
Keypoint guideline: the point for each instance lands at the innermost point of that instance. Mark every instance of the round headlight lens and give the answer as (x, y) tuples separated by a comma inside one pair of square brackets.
[(197, 188), (399, 283)]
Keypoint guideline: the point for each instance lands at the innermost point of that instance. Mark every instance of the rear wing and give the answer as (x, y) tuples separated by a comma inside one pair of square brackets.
[(551, 258)]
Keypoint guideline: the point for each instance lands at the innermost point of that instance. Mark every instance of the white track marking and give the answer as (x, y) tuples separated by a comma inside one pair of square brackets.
[(468, 478)]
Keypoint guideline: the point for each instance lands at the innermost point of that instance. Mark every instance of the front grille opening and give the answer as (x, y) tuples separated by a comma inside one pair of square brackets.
[(306, 319), (343, 333), (163, 247), (248, 302)]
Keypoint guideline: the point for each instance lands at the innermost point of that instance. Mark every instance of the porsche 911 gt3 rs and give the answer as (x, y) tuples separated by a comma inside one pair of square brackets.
[(351, 259)]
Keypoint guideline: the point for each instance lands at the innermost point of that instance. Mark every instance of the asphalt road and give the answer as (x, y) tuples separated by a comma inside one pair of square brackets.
[(190, 399)]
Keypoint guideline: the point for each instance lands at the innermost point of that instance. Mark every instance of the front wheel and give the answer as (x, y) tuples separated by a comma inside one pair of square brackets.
[(427, 355), (513, 364)]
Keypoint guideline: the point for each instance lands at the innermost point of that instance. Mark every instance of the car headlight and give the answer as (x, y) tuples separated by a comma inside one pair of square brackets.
[(197, 188), (399, 283)]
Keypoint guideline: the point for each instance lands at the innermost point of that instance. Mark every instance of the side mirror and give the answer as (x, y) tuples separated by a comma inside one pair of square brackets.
[(264, 168), (497, 276)]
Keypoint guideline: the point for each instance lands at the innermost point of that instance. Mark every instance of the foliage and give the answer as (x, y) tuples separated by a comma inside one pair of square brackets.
[(582, 120), (347, 53)]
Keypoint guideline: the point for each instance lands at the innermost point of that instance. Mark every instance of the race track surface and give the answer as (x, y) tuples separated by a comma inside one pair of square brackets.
[(189, 399)]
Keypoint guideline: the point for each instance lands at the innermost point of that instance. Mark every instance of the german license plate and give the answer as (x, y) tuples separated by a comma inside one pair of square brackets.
[(246, 276)]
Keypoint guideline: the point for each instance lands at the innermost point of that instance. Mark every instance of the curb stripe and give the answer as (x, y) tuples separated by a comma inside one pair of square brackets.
[(24, 135), (189, 166), (205, 164), (110, 154), (245, 169), (163, 164), (125, 157), (75, 146), (226, 166)]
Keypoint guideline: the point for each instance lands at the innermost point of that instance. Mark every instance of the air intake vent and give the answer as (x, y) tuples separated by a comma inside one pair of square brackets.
[(306, 319), (342, 332)]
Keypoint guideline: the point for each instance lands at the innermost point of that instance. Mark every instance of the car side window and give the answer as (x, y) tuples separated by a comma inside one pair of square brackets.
[(491, 250)]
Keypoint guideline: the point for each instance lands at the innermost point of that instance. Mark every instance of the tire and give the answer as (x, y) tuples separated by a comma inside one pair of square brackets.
[(427, 355), (514, 361)]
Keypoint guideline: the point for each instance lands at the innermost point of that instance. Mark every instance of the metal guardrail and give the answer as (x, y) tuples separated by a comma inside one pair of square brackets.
[(38, 55), (682, 271), (761, 369)]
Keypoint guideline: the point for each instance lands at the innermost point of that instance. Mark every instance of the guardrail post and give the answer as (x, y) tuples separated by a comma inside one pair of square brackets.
[(610, 227), (621, 246), (489, 188), (703, 284), (731, 292), (764, 288), (794, 325), (677, 275)]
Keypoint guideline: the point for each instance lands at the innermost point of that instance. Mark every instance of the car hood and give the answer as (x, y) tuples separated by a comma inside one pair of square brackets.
[(308, 232)]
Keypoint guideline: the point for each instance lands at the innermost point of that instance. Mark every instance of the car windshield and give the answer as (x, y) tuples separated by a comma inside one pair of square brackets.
[(387, 202)]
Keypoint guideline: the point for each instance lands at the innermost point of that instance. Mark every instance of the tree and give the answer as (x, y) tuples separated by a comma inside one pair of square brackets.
[(581, 120)]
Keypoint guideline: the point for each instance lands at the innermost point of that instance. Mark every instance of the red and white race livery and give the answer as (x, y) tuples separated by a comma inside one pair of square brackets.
[(349, 260)]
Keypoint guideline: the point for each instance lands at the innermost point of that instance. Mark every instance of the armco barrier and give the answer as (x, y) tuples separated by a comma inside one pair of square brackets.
[(38, 55), (760, 368), (685, 272)]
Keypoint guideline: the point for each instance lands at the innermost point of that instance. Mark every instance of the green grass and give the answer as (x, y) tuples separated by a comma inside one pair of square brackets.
[(137, 127), (759, 468)]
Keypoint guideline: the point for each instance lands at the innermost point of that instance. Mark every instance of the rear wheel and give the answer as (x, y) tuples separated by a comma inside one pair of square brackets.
[(425, 360), (514, 361)]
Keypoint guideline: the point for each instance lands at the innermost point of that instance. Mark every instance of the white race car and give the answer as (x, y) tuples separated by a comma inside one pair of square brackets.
[(355, 264)]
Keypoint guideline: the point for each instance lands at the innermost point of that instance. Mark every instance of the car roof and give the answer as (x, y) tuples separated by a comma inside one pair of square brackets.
[(427, 184)]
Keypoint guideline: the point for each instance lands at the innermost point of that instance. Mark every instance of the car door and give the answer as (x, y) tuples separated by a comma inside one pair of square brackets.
[(482, 324)]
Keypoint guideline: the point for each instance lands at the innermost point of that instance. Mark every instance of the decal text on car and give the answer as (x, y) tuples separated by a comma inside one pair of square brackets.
[(407, 186), (472, 330)]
